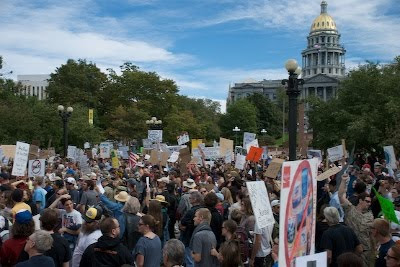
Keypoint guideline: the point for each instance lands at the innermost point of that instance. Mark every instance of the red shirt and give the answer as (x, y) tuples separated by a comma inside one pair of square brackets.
[(11, 250)]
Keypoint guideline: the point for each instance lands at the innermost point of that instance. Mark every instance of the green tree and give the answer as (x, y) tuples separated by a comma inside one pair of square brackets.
[(366, 112), (241, 114)]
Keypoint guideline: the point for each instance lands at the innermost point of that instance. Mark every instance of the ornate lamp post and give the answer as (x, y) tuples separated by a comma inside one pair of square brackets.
[(236, 130), (154, 124), (65, 115), (293, 92)]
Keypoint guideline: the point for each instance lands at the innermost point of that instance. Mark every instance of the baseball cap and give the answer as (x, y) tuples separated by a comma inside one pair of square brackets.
[(23, 216), (71, 180), (377, 164), (275, 202), (93, 214)]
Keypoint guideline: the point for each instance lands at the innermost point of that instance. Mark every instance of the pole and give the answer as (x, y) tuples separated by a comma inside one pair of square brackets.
[(292, 92), (65, 125)]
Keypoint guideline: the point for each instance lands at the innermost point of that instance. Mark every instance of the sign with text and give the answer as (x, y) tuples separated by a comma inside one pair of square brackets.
[(225, 145), (252, 143), (105, 150), (174, 157), (240, 162), (248, 138), (147, 144), (274, 168), (265, 152), (36, 167), (390, 157), (314, 153), (298, 201), (183, 138), (254, 154), (155, 136), (260, 202), (71, 152), (335, 153), (314, 260), (20, 159), (228, 156)]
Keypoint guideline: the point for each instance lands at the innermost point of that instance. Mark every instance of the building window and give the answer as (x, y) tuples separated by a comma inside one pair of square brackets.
[(336, 71), (323, 39), (308, 72), (315, 71), (327, 23), (322, 70), (274, 96), (328, 39), (322, 24), (318, 24), (320, 92), (330, 70)]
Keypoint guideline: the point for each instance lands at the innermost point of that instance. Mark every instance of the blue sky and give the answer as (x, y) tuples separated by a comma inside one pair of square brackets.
[(201, 44)]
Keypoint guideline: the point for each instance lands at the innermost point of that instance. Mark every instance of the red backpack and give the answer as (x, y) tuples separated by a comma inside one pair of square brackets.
[(244, 244)]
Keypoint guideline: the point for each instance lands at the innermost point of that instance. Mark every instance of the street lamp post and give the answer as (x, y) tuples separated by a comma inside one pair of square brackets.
[(293, 92), (236, 130), (65, 115), (263, 133), (154, 124)]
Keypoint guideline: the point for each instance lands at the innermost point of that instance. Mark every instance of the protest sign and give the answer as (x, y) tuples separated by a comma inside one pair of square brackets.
[(183, 138), (114, 159), (260, 203), (36, 167), (254, 154), (314, 260), (240, 162), (8, 150), (252, 143), (196, 142), (174, 157), (335, 153), (314, 153), (240, 150), (33, 152), (265, 152), (1, 154), (328, 173), (155, 135), (124, 151), (225, 145), (390, 157), (274, 168), (105, 150), (247, 138), (211, 152), (387, 207), (147, 143), (20, 159), (71, 152), (298, 201), (228, 156)]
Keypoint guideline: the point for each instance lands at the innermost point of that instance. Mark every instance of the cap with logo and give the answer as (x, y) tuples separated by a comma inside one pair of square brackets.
[(93, 214)]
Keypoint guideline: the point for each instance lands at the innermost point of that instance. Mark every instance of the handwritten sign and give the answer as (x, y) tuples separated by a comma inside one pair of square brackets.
[(247, 138), (155, 136), (314, 260), (36, 167), (225, 145), (260, 202), (174, 157), (240, 162), (228, 156), (335, 153), (71, 152), (252, 143), (183, 138), (274, 168), (21, 159), (105, 150)]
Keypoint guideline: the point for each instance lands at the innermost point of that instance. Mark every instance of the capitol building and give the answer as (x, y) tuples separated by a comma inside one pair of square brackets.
[(323, 65)]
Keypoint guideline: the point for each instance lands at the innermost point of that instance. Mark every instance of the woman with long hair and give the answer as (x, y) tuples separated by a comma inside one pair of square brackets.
[(248, 220), (147, 252), (155, 211), (227, 202), (230, 254), (132, 216), (27, 198)]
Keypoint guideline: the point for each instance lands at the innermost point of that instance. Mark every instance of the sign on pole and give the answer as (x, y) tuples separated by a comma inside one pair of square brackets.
[(183, 138), (20, 159), (390, 157), (335, 153), (260, 202), (36, 167), (298, 201), (247, 138), (155, 136)]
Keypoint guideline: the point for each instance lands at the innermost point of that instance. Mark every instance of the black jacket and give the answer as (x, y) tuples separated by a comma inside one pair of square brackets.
[(187, 221), (216, 224), (107, 251)]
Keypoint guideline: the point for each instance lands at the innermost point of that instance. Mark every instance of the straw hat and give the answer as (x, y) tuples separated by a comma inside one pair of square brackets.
[(122, 196), (160, 198)]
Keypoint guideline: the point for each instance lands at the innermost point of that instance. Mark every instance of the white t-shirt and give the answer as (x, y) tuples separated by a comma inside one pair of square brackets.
[(83, 242), (266, 238), (71, 220)]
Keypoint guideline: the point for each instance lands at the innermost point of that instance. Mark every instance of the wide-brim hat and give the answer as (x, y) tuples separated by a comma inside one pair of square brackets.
[(164, 180), (160, 198), (189, 183), (122, 196)]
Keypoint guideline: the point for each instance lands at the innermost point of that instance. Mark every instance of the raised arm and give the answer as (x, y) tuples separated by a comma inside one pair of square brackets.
[(342, 190)]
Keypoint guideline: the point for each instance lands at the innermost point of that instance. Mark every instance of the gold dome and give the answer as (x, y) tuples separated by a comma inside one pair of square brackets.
[(323, 21)]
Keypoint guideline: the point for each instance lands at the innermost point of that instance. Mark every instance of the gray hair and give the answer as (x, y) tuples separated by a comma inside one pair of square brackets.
[(43, 240), (132, 206), (331, 215), (175, 252), (196, 197)]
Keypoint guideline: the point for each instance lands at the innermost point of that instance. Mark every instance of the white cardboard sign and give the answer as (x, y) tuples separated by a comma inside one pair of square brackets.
[(247, 138), (390, 157), (260, 203), (316, 260), (21, 159), (36, 167), (183, 139), (174, 157), (155, 136), (335, 153), (240, 161), (105, 150)]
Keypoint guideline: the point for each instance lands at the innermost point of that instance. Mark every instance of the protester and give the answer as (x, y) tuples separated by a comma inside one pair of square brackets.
[(393, 256), (381, 234), (173, 253), (108, 250), (89, 197), (350, 259), (131, 211), (147, 252), (210, 201), (36, 245), (39, 194)]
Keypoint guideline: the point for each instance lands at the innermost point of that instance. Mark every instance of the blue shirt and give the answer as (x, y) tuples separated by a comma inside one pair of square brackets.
[(116, 209), (39, 195)]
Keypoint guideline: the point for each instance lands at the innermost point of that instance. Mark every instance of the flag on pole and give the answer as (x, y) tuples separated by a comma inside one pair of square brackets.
[(132, 159)]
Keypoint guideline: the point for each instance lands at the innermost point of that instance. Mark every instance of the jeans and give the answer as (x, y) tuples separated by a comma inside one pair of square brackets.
[(188, 257)]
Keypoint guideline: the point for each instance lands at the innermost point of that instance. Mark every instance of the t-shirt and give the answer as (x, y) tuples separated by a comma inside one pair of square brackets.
[(60, 251), (89, 198), (72, 221), (84, 241), (265, 234), (150, 249), (20, 206), (74, 196), (203, 242), (39, 195), (383, 249), (339, 239), (10, 251), (35, 261)]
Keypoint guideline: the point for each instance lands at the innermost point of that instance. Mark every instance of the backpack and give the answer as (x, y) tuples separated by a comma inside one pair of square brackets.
[(244, 244)]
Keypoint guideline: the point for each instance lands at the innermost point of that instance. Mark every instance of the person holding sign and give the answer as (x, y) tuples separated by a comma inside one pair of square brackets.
[(359, 218)]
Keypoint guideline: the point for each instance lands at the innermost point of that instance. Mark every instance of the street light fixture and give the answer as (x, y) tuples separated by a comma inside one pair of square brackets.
[(153, 123), (236, 130), (263, 131), (65, 115), (293, 92)]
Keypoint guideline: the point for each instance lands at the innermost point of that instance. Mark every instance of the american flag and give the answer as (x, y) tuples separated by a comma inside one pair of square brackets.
[(132, 159)]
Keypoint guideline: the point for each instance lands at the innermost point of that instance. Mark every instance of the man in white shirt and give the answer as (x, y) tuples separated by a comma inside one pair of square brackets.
[(262, 246)]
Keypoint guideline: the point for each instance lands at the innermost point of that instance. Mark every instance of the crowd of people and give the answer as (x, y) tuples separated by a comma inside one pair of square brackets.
[(152, 215)]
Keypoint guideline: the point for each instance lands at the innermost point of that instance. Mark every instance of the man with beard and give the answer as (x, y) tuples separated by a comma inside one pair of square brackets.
[(89, 234)]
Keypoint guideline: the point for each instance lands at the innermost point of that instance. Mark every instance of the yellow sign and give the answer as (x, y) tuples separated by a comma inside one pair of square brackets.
[(114, 159), (90, 116), (196, 142)]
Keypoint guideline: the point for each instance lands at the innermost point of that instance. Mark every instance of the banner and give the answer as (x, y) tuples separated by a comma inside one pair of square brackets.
[(247, 138), (36, 167), (298, 203), (20, 159), (390, 157), (90, 116), (183, 138), (105, 150), (225, 145), (260, 202), (155, 136), (335, 153)]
